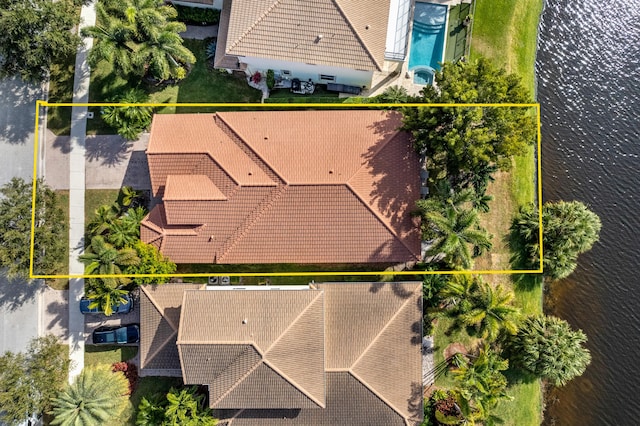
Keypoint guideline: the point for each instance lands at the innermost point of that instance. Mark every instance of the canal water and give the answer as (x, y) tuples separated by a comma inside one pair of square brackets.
[(588, 69)]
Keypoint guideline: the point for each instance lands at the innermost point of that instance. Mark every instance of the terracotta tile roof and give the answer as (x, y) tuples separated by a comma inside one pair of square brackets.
[(353, 32), (337, 187), (191, 188), (370, 333)]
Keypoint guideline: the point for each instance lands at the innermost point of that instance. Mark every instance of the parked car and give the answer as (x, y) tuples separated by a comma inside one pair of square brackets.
[(122, 308), (116, 335)]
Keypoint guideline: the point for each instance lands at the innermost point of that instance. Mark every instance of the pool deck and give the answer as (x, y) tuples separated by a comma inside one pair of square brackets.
[(455, 46)]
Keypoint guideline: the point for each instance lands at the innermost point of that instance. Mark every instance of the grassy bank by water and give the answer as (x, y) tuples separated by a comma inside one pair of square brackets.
[(506, 31)]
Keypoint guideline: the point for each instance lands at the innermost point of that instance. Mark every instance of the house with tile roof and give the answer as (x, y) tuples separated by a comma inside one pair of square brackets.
[(323, 354), (283, 187), (325, 41)]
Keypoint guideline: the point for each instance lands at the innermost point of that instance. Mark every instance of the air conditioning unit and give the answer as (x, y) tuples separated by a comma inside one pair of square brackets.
[(214, 280)]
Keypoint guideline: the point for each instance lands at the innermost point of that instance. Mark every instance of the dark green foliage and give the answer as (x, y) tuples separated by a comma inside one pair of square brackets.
[(569, 229), (36, 34), (547, 347), (129, 121), (182, 406), (462, 144), (197, 15), (391, 95), (29, 380), (271, 79), (15, 225), (151, 262)]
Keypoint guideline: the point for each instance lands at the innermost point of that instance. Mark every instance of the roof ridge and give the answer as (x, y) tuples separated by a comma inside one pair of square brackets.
[(237, 383), (275, 342), (248, 30), (382, 330), (357, 35), (155, 304), (380, 218), (250, 220), (377, 395), (234, 135)]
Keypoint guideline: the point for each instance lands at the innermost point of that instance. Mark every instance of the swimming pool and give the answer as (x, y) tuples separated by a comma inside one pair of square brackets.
[(427, 40)]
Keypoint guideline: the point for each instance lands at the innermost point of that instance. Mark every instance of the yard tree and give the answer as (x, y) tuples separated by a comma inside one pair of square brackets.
[(29, 380), (547, 347), (35, 34), (462, 143), (103, 296), (96, 396), (151, 262), (569, 229), (130, 120), (181, 406), (15, 229)]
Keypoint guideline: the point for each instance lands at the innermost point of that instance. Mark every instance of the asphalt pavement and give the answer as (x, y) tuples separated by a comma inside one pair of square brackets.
[(20, 301)]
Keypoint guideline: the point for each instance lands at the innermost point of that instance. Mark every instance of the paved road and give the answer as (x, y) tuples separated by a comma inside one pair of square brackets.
[(19, 301)]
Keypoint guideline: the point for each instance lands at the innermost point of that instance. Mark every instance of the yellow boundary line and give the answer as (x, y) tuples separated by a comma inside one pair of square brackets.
[(41, 103)]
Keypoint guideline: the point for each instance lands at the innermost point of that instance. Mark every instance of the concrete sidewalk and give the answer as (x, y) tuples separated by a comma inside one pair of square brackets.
[(76, 194)]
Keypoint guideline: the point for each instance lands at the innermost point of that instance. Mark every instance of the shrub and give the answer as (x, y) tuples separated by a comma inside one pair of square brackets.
[(271, 79), (130, 372), (197, 15)]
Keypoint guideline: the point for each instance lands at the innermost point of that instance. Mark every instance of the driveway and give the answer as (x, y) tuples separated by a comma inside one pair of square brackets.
[(17, 120), (20, 301), (93, 321), (111, 162)]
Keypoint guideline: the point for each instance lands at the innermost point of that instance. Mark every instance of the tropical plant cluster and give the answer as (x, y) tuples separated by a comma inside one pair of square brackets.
[(29, 380), (115, 249), (528, 347), (184, 406), (129, 120), (130, 373), (141, 39)]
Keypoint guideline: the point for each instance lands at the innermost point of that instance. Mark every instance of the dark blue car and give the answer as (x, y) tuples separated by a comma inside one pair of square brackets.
[(123, 308), (116, 335)]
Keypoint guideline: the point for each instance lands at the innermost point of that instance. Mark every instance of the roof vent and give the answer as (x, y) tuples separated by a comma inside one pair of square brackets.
[(331, 171), (319, 38), (250, 173), (366, 28), (266, 138), (244, 321)]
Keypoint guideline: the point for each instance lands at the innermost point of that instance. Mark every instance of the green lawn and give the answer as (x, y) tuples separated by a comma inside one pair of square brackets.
[(95, 355), (94, 198), (62, 283), (506, 32)]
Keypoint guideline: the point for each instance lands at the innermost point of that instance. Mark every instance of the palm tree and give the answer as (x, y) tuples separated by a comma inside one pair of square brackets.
[(164, 55), (547, 347), (104, 259), (480, 384), (184, 406), (124, 232), (103, 218), (96, 396), (453, 231), (114, 42), (104, 296), (490, 311), (129, 120)]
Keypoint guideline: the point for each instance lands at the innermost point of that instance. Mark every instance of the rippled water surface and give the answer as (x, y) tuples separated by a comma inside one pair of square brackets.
[(589, 87)]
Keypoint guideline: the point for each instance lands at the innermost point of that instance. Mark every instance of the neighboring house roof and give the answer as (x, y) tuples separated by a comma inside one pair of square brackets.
[(343, 33), (338, 353), (280, 187)]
